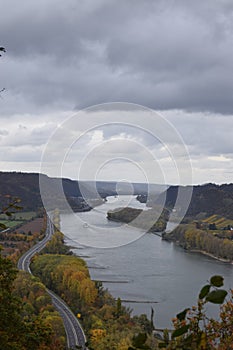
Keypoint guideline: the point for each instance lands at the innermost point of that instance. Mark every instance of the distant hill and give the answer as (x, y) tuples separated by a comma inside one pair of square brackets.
[(207, 199), (22, 185), (212, 199), (26, 187)]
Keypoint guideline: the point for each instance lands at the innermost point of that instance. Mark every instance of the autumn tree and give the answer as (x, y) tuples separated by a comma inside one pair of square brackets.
[(11, 327), (193, 328)]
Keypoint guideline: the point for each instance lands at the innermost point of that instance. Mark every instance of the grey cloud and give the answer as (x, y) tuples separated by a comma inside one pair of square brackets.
[(163, 54), (21, 154), (204, 134), (168, 55), (128, 132), (20, 136), (3, 132)]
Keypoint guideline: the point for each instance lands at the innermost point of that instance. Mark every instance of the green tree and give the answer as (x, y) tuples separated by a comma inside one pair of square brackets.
[(139, 342), (118, 308), (195, 331), (11, 325)]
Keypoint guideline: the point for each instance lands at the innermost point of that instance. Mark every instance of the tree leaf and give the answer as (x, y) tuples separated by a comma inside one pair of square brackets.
[(204, 291), (216, 296), (217, 281), (181, 316), (188, 341), (180, 331)]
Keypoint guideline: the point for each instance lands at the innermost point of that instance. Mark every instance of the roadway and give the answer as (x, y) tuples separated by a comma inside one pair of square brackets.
[(74, 332)]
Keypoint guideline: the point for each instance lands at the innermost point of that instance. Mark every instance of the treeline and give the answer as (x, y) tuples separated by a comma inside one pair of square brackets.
[(56, 245), (28, 319), (191, 238), (151, 220)]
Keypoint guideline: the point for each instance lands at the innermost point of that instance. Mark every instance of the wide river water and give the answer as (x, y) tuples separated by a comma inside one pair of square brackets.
[(145, 273)]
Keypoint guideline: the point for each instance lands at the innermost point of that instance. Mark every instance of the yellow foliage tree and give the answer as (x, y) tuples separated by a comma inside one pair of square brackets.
[(97, 336)]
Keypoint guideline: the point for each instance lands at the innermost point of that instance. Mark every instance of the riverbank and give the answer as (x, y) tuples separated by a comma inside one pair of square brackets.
[(211, 256), (204, 242), (198, 251)]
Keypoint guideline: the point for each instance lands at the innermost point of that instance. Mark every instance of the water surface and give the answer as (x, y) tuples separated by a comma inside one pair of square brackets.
[(148, 271)]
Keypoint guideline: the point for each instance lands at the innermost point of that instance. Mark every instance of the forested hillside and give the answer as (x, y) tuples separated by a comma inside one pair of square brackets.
[(26, 186), (28, 319), (207, 199), (22, 185), (212, 199)]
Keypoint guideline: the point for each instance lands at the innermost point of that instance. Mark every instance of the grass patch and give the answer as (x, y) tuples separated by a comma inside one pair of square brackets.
[(11, 223), (20, 216)]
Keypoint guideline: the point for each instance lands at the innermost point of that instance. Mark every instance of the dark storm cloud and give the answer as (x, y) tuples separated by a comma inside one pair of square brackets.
[(163, 54)]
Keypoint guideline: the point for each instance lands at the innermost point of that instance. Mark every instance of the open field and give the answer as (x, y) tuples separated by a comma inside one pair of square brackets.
[(21, 216), (17, 218), (11, 223), (19, 239), (34, 226)]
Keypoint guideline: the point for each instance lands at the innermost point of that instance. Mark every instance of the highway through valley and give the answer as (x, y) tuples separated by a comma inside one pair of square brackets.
[(74, 332)]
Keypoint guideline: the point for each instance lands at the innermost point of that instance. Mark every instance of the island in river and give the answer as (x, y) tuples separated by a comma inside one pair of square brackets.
[(152, 220)]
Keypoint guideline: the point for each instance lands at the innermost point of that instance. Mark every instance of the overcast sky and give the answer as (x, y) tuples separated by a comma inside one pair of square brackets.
[(175, 57)]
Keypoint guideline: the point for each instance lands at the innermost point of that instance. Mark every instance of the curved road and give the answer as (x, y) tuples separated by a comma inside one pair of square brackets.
[(74, 331)]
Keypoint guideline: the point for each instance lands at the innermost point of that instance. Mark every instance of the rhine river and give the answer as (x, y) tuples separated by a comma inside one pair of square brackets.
[(145, 273)]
